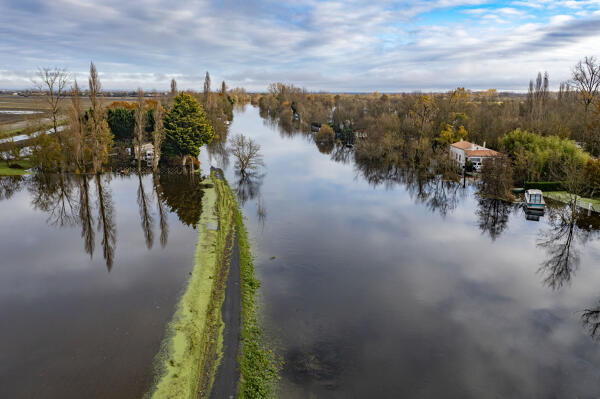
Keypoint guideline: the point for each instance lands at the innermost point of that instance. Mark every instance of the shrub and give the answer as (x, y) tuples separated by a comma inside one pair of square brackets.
[(544, 185), (325, 134)]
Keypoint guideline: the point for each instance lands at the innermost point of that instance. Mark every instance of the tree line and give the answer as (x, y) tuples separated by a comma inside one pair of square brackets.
[(547, 136), (177, 124)]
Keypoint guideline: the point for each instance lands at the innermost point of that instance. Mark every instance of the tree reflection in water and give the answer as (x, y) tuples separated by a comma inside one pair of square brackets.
[(106, 224), (162, 214), (52, 193), (9, 186), (86, 218), (247, 186), (183, 195), (145, 215), (86, 201), (560, 241), (434, 191), (493, 216)]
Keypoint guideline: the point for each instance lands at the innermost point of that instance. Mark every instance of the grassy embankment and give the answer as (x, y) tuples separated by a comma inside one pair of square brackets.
[(258, 367), (190, 354), (5, 170), (565, 197)]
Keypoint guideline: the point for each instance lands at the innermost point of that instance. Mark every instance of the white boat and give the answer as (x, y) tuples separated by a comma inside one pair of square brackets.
[(534, 199)]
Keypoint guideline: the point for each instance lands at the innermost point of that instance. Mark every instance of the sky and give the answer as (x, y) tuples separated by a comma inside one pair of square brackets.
[(338, 46)]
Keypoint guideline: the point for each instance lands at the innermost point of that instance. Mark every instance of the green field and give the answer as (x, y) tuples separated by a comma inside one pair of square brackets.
[(564, 196), (6, 171)]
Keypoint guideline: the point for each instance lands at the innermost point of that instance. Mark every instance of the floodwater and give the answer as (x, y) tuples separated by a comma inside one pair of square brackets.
[(90, 272), (380, 285), (374, 284)]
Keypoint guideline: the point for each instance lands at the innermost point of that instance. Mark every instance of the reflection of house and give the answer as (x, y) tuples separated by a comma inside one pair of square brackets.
[(462, 151), (147, 151)]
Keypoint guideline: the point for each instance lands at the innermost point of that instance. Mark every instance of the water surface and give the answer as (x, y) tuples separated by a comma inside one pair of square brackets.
[(90, 271), (386, 286)]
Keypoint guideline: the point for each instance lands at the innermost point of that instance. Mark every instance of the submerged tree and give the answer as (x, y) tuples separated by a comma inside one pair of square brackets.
[(496, 179), (246, 153)]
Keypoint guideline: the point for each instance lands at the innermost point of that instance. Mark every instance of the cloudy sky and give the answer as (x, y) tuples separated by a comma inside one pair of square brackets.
[(356, 45)]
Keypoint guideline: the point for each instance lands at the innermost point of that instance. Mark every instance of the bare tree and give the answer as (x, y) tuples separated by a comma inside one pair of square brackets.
[(247, 154), (586, 79), (54, 82), (158, 135), (139, 127)]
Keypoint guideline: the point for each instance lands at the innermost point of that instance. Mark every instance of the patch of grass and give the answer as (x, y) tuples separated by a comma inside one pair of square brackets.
[(565, 197), (5, 170), (258, 365)]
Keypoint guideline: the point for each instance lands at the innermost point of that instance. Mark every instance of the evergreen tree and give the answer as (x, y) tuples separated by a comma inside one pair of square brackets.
[(186, 128)]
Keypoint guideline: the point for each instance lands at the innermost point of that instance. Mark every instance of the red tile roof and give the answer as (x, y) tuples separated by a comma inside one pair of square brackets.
[(463, 145), (482, 153)]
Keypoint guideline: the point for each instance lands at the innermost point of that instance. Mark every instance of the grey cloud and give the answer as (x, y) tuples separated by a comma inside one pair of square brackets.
[(355, 45)]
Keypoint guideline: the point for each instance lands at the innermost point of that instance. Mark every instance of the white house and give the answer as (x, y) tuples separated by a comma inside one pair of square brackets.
[(147, 151), (462, 151)]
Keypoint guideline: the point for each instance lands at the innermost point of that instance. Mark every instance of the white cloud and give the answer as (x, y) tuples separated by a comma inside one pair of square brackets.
[(334, 45)]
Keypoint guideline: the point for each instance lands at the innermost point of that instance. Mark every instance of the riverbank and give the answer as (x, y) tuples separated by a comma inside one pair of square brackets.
[(565, 197), (5, 170), (193, 348)]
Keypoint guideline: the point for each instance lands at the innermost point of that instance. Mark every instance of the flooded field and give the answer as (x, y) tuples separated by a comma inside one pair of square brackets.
[(90, 273), (372, 284), (387, 286)]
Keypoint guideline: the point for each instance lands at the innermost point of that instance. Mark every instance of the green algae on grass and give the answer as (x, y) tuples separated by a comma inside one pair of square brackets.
[(189, 354)]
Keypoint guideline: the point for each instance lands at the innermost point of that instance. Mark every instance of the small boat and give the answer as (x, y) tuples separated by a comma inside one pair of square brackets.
[(534, 200)]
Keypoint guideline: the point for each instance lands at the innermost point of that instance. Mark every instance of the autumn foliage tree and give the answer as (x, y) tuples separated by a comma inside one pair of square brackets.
[(325, 134)]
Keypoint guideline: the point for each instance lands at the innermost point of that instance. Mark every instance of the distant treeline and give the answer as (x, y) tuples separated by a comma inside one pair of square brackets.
[(177, 124), (542, 132)]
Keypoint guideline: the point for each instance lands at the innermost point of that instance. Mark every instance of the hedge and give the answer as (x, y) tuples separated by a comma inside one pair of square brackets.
[(544, 185)]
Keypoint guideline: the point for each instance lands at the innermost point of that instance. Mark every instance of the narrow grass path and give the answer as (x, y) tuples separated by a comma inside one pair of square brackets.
[(193, 348)]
